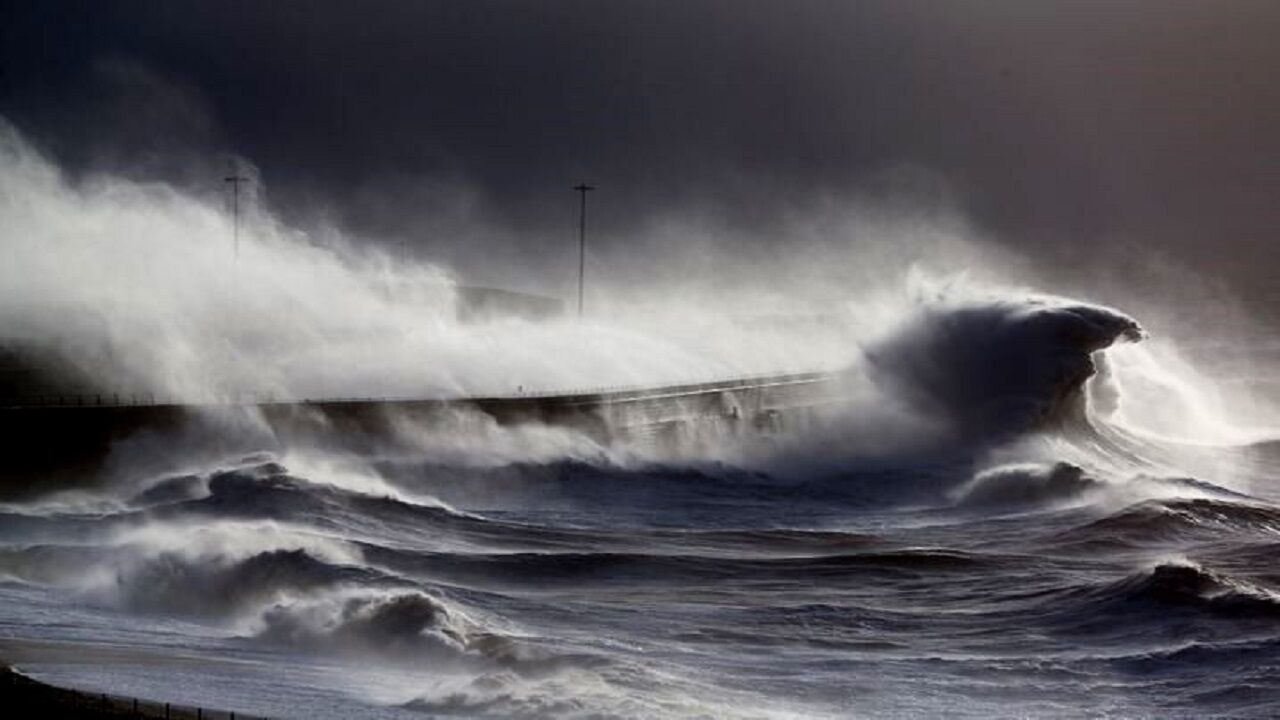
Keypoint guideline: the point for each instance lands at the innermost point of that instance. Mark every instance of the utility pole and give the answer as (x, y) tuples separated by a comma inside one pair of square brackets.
[(582, 189), (235, 181)]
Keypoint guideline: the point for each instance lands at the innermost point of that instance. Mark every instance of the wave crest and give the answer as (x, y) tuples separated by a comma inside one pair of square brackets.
[(1000, 365), (1027, 484), (1188, 585), (1160, 521)]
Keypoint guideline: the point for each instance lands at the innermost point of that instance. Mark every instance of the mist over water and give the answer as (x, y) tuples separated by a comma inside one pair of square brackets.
[(138, 285), (1017, 503)]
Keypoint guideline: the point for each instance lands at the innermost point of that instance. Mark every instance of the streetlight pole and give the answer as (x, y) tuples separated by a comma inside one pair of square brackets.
[(582, 189), (235, 181)]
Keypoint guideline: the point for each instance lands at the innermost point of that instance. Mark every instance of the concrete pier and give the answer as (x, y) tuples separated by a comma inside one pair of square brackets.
[(56, 440)]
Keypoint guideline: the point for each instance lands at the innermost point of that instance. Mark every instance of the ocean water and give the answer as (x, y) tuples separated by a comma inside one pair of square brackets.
[(1020, 517)]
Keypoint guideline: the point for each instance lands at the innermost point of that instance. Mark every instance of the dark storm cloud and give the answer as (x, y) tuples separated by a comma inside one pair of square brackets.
[(1063, 126)]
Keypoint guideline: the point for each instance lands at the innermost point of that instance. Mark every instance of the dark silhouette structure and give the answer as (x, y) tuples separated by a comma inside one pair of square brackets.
[(582, 189), (235, 180)]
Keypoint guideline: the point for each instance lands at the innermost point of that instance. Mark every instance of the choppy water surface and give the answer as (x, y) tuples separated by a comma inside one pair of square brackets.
[(1040, 558)]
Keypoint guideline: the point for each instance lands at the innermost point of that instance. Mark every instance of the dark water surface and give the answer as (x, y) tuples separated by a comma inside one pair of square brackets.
[(1062, 572)]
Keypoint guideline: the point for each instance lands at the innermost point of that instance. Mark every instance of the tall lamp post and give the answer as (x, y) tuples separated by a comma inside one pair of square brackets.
[(235, 181), (582, 189)]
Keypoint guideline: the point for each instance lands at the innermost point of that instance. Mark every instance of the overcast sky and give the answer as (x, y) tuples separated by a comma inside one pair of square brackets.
[(1056, 128)]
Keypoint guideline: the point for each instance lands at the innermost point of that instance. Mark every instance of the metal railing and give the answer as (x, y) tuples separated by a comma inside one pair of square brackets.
[(26, 695), (151, 399)]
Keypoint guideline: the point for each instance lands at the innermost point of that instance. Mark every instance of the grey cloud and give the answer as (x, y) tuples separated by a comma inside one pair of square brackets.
[(1062, 128)]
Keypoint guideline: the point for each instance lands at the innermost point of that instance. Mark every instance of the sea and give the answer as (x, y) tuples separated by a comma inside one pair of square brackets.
[(1019, 509)]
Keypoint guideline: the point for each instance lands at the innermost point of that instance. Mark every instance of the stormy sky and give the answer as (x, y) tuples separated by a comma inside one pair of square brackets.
[(1144, 131)]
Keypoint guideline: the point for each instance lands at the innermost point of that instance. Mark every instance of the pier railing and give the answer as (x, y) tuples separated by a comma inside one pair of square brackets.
[(616, 392), (26, 697)]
